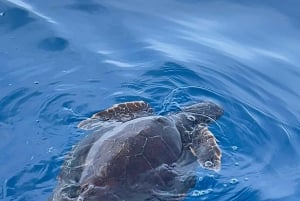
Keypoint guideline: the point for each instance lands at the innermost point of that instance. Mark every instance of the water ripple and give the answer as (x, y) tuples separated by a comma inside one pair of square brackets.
[(12, 103), (30, 8), (243, 56), (36, 176)]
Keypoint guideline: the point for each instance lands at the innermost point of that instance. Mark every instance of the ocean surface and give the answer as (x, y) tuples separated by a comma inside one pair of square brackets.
[(61, 61)]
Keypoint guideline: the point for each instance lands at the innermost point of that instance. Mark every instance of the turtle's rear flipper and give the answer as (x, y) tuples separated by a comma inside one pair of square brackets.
[(119, 113), (206, 149), (169, 183)]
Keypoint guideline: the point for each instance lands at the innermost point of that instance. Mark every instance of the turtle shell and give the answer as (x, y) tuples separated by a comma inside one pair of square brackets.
[(75, 160), (131, 149)]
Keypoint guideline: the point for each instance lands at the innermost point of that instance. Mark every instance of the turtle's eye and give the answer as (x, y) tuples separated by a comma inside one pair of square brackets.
[(190, 117)]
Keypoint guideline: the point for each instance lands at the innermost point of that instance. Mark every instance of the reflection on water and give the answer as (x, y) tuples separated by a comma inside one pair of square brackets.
[(15, 18), (63, 61)]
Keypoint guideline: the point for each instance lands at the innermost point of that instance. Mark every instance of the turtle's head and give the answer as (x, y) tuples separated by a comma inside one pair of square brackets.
[(203, 113), (200, 114)]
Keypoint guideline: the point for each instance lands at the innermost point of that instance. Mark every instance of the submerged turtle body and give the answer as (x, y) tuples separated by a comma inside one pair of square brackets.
[(132, 152)]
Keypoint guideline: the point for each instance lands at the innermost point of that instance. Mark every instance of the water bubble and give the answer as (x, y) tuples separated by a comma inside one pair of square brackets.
[(208, 164), (200, 179), (246, 178), (36, 82), (197, 193), (234, 148), (50, 149), (2, 14), (209, 190), (236, 164), (225, 185), (234, 181)]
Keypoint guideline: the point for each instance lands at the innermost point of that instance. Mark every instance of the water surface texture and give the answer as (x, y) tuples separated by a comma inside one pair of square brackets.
[(61, 61)]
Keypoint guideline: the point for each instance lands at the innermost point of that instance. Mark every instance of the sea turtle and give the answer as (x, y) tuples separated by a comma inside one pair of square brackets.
[(133, 154)]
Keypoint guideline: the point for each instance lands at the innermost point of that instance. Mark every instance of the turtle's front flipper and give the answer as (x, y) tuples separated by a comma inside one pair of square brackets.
[(118, 113), (206, 149)]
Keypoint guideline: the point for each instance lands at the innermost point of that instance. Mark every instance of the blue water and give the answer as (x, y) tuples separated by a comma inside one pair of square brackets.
[(61, 61)]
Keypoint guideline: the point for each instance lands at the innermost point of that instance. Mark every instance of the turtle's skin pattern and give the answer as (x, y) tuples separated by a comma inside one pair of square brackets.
[(133, 154)]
